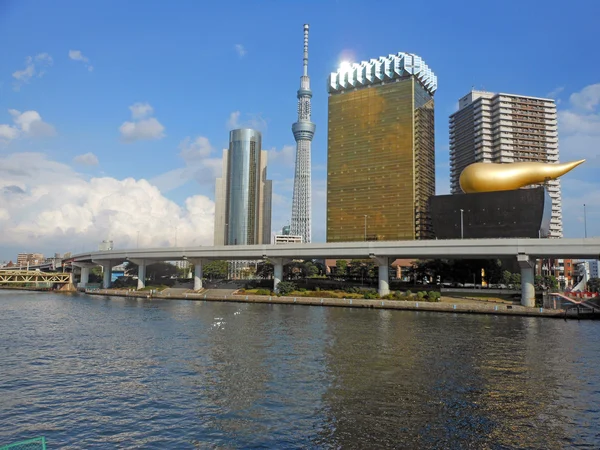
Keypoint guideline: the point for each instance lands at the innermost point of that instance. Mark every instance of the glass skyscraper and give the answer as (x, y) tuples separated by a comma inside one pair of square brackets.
[(381, 150), (243, 194)]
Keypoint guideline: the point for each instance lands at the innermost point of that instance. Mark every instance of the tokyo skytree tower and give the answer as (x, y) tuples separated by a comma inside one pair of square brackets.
[(303, 130)]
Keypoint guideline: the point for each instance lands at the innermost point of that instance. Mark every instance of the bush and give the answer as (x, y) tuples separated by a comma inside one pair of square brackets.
[(408, 293), (420, 295), (433, 296), (263, 292), (371, 294), (285, 287)]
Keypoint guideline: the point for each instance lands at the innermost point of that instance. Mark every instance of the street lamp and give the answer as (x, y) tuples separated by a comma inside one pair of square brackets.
[(461, 224), (584, 221), (365, 227)]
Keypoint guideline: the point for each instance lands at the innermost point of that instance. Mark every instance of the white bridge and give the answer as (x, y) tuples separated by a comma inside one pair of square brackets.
[(526, 251)]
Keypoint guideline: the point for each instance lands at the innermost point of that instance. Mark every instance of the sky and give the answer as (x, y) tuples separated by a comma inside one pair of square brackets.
[(113, 115)]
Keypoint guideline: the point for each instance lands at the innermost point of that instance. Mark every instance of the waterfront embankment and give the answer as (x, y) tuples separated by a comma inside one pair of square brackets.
[(447, 306)]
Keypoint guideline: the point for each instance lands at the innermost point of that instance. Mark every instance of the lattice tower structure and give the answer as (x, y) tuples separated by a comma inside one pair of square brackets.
[(304, 131)]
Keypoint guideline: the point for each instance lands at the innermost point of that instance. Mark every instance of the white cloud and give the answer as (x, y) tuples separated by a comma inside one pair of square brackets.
[(201, 165), (579, 127), (28, 124), (255, 121), (555, 93), (48, 203), (587, 99), (34, 65), (142, 127), (87, 159), (76, 55), (8, 132), (195, 150), (241, 51), (286, 157), (141, 110)]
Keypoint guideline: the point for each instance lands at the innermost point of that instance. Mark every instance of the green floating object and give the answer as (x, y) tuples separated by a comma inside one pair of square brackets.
[(38, 443)]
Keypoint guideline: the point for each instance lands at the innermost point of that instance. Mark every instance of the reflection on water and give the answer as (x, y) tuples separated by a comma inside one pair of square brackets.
[(97, 372)]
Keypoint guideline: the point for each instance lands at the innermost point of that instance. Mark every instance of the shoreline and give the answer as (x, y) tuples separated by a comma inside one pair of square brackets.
[(402, 305)]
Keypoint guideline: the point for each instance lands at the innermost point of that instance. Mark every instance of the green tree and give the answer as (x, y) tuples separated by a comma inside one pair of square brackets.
[(515, 280), (216, 270), (594, 285), (265, 270), (341, 268), (506, 278), (551, 282), (285, 287), (311, 269), (161, 270)]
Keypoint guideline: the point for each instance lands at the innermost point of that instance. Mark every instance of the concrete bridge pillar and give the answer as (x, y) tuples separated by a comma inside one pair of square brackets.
[(198, 272), (527, 280), (85, 277), (383, 265), (85, 273), (278, 264), (141, 263), (107, 272)]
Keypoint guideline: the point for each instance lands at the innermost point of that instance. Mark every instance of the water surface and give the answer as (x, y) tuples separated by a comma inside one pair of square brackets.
[(107, 372)]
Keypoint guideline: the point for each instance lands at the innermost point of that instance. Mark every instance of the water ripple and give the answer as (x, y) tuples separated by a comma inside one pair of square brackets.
[(101, 372)]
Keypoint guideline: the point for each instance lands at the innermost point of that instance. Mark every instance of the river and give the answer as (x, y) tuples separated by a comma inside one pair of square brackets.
[(106, 372)]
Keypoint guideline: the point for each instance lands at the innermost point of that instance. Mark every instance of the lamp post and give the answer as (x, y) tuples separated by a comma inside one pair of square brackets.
[(461, 224), (584, 221), (365, 227)]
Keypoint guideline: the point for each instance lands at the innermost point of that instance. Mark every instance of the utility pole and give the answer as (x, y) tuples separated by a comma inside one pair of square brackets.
[(461, 224)]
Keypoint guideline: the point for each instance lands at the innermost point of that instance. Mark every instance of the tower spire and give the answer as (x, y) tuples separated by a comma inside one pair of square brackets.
[(304, 131), (305, 59)]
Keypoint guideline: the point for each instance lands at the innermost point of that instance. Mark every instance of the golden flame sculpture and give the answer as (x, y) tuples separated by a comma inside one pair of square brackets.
[(490, 177)]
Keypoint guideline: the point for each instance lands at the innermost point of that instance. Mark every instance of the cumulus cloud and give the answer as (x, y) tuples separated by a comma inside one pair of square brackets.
[(141, 110), (76, 55), (241, 51), (196, 149), (47, 202), (87, 159), (142, 127), (26, 124), (579, 137), (34, 66), (202, 164), (579, 126), (255, 121), (587, 99), (285, 157)]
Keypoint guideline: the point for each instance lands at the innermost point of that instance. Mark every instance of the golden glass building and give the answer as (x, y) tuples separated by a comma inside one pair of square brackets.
[(381, 150)]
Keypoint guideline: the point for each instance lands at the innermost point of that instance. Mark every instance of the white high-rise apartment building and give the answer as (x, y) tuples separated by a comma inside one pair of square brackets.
[(505, 128)]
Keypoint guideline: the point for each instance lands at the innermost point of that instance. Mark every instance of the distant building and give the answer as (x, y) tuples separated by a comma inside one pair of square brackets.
[(105, 246), (31, 259), (594, 268), (505, 128), (181, 264), (243, 193), (380, 154), (287, 239)]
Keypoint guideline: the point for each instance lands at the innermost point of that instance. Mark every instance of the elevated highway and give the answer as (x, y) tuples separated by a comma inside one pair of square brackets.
[(526, 251)]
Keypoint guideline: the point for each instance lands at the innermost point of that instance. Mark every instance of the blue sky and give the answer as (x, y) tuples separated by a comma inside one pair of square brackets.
[(130, 103)]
